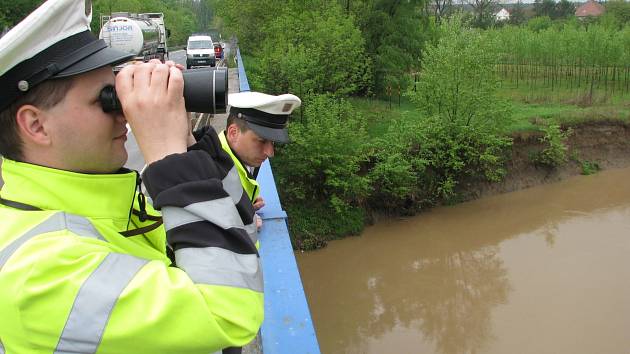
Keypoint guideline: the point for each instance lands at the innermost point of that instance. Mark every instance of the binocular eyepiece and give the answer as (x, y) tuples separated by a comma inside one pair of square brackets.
[(205, 91)]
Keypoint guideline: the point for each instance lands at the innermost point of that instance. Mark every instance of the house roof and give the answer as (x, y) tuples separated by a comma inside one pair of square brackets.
[(591, 8)]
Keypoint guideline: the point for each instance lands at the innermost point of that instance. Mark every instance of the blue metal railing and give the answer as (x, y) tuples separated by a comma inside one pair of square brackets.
[(288, 327), (242, 75)]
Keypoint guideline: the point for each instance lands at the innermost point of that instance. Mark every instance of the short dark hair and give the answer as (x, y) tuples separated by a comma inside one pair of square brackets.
[(240, 122), (44, 96)]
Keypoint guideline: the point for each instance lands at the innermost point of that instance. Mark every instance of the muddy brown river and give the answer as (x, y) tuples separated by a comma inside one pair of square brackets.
[(542, 270)]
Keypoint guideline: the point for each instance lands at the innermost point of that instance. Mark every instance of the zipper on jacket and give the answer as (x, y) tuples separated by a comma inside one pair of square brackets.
[(142, 201)]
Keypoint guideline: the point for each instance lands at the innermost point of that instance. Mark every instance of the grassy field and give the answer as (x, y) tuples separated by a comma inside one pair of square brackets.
[(529, 109)]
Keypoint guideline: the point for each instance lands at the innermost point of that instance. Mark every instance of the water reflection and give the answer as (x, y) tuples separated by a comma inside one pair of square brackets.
[(450, 282)]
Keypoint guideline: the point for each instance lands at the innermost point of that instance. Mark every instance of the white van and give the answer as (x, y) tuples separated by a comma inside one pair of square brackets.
[(200, 51)]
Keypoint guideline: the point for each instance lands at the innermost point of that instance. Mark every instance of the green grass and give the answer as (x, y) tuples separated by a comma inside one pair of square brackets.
[(379, 115), (564, 105), (530, 109), (528, 116)]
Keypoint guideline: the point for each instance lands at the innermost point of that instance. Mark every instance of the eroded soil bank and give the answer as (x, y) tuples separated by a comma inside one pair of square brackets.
[(606, 143)]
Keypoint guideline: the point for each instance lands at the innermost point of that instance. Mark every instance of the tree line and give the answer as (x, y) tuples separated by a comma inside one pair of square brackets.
[(334, 174), (182, 17), (570, 57), (354, 47)]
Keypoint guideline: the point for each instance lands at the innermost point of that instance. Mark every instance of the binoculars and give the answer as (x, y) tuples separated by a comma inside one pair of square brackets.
[(205, 91)]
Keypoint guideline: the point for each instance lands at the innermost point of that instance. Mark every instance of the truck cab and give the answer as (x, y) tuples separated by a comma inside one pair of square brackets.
[(200, 51)]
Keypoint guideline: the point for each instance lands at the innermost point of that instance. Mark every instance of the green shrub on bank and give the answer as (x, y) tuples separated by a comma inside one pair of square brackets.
[(555, 152), (323, 159), (589, 167), (318, 173), (460, 138), (421, 163), (331, 176), (397, 167), (313, 224)]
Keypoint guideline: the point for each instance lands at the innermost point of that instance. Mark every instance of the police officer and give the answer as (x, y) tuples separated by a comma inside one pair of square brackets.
[(83, 263), (255, 122)]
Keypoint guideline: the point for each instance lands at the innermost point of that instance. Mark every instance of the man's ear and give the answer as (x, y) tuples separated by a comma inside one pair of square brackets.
[(30, 122), (232, 132)]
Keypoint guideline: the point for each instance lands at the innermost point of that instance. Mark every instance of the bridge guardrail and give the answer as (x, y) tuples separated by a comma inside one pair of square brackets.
[(288, 327)]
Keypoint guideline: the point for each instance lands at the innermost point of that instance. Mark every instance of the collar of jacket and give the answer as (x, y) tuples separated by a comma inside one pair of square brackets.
[(92, 195), (237, 160)]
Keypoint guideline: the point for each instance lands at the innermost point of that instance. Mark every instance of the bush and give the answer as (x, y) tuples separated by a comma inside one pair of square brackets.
[(589, 167), (397, 167), (323, 159), (555, 152), (318, 173), (312, 226), (538, 24), (461, 137), (323, 52)]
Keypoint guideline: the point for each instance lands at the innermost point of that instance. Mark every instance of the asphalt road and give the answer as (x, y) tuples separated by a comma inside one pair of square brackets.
[(178, 56)]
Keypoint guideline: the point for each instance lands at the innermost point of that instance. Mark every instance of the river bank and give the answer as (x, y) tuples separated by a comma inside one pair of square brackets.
[(601, 143), (593, 145)]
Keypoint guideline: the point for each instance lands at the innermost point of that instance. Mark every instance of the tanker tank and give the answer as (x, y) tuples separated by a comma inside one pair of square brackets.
[(138, 36)]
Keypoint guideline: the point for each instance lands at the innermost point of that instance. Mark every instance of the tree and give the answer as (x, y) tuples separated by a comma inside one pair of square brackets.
[(483, 12), (538, 24), (395, 33), (564, 9), (619, 10), (12, 12), (315, 50), (545, 8), (517, 15), (458, 93), (458, 82), (247, 18), (441, 8), (4, 22)]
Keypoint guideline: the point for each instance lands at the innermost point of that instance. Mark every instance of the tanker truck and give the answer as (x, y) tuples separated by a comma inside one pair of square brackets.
[(142, 35)]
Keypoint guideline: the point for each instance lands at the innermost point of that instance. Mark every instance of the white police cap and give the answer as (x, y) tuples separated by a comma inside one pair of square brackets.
[(265, 114), (54, 41)]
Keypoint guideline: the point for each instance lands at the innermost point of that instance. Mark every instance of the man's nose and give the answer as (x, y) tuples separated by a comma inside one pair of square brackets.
[(268, 149)]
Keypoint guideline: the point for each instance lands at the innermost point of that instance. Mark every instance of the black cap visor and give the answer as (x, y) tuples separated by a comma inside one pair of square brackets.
[(275, 135)]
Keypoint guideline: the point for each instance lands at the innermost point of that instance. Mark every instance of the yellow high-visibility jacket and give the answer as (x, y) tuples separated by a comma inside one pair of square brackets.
[(247, 180), (81, 273)]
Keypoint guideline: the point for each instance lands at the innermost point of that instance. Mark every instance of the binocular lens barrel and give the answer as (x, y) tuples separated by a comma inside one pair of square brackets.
[(205, 91)]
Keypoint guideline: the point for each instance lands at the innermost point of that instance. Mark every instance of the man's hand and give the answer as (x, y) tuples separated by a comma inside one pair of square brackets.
[(259, 203), (191, 137), (151, 95)]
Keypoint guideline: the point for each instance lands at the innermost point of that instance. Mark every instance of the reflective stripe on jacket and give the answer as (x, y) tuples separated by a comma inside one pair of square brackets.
[(71, 283)]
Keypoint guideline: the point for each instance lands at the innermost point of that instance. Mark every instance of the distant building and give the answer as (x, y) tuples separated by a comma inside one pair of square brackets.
[(503, 15), (590, 8)]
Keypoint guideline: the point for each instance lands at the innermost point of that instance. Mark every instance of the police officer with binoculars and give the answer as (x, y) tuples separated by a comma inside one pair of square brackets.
[(84, 266)]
